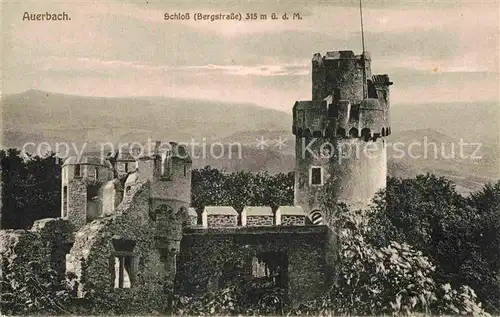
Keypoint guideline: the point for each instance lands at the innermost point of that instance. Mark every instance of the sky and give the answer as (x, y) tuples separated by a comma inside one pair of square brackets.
[(434, 51)]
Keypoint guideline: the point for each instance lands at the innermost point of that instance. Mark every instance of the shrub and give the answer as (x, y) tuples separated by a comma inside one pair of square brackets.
[(394, 279), (33, 289)]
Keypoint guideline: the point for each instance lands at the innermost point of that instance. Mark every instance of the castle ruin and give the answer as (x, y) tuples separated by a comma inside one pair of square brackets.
[(127, 232)]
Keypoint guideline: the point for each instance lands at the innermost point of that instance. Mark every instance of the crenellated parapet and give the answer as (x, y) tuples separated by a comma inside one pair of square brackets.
[(368, 119), (310, 118), (347, 101), (254, 216)]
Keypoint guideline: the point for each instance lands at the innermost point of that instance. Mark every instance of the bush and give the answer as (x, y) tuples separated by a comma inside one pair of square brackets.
[(394, 279), (33, 289), (371, 280), (430, 215)]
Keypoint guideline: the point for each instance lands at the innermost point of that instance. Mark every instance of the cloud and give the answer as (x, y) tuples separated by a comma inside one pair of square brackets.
[(82, 64), (467, 63), (261, 70), (116, 48)]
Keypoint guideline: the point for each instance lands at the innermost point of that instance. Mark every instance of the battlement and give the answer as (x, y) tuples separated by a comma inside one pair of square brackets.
[(368, 119), (252, 216), (381, 80), (347, 101), (336, 55)]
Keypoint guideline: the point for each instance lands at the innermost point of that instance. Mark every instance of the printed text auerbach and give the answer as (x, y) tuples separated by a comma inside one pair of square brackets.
[(47, 16)]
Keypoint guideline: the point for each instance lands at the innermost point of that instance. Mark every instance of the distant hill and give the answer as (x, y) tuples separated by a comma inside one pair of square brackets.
[(475, 122), (431, 151), (38, 116), (50, 116)]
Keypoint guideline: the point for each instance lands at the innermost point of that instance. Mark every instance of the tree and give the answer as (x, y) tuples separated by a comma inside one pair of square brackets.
[(31, 188), (460, 235), (211, 187)]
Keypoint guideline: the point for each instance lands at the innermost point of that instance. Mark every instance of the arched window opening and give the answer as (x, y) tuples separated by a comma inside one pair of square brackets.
[(65, 202), (366, 134), (341, 132), (78, 170), (354, 133), (123, 262)]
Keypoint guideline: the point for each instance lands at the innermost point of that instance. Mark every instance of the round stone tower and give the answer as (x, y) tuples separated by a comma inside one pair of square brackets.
[(81, 195), (341, 132)]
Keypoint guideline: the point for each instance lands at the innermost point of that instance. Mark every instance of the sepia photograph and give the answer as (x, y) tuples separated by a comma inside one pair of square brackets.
[(250, 158)]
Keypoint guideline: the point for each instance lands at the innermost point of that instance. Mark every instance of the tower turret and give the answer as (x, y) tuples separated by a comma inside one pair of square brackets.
[(172, 177), (81, 180)]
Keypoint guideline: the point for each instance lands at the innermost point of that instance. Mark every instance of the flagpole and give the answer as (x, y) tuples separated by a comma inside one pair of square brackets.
[(363, 53), (362, 31)]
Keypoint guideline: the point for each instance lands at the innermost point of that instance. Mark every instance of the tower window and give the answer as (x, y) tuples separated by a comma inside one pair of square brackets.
[(166, 165), (65, 202), (185, 170), (77, 170), (269, 270), (96, 169), (169, 260), (123, 262), (259, 268), (123, 270), (316, 175), (125, 168)]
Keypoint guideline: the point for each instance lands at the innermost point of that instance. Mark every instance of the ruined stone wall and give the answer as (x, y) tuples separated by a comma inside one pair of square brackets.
[(77, 202), (56, 235), (177, 186), (210, 258), (110, 195), (92, 257), (146, 168), (47, 242), (19, 247)]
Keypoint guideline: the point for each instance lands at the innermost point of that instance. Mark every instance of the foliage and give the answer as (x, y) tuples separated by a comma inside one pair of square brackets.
[(223, 302), (32, 289), (461, 302), (461, 235), (393, 279), (381, 270), (231, 291), (31, 188), (211, 187), (231, 301)]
